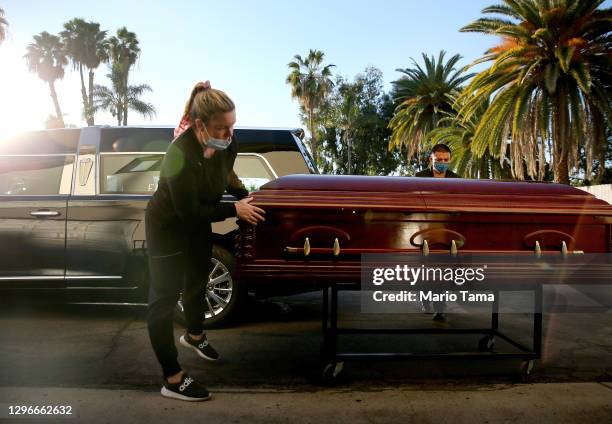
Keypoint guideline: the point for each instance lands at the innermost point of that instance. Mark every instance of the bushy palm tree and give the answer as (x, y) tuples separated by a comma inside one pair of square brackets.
[(549, 82), (47, 58), (349, 111), (310, 83), (123, 51), (3, 25), (457, 133), (119, 98), (86, 47), (422, 100)]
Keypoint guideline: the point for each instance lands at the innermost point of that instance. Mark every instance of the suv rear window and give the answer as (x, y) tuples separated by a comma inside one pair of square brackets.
[(62, 141), (35, 175), (136, 139)]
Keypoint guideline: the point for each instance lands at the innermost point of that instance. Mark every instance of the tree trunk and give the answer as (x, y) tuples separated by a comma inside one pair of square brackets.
[(84, 94), (125, 88), (350, 163), (313, 141), (561, 132), (90, 109), (58, 111), (562, 170), (119, 114)]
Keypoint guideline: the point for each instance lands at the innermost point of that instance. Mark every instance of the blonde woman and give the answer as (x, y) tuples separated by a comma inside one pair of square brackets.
[(196, 171)]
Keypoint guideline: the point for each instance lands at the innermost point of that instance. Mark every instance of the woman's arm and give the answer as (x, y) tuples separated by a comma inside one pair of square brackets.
[(235, 186)]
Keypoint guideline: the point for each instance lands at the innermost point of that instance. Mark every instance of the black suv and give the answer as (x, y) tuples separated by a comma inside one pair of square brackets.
[(72, 207)]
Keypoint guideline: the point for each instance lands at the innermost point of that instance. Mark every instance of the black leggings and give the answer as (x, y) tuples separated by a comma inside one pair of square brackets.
[(169, 275)]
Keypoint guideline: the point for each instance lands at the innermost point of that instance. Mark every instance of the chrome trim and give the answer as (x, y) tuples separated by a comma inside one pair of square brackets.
[(131, 153), (99, 288), (37, 155), (94, 277), (44, 213), (35, 195), (33, 277), (108, 303)]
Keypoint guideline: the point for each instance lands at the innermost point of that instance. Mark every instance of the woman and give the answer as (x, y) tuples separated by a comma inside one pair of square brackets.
[(196, 170)]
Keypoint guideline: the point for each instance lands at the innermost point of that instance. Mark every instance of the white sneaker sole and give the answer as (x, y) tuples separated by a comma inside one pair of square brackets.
[(186, 344), (173, 395)]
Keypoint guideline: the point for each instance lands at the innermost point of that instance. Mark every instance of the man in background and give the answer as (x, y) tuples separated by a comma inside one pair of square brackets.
[(438, 163)]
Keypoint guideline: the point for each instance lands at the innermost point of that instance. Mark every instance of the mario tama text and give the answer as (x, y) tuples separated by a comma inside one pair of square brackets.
[(431, 296), (400, 288)]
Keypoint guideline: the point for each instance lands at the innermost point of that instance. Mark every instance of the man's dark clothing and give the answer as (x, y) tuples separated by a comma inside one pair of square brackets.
[(429, 173), (179, 236), (438, 307)]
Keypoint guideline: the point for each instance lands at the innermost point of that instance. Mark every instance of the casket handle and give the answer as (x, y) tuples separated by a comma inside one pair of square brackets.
[(453, 248), (336, 248), (307, 249), (564, 251), (425, 248)]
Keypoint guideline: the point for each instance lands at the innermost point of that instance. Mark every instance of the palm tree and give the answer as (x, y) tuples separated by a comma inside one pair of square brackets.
[(549, 82), (457, 133), (349, 111), (86, 46), (3, 25), (310, 84), (123, 51), (422, 98), (46, 57), (119, 98)]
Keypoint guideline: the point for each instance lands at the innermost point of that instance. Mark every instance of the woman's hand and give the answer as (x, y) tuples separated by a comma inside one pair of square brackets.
[(249, 213)]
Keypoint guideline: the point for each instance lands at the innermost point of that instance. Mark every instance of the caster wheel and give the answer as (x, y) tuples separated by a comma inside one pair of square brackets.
[(525, 370), (331, 371), (486, 344)]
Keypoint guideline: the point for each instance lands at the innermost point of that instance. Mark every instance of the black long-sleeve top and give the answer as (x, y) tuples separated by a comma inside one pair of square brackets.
[(188, 196)]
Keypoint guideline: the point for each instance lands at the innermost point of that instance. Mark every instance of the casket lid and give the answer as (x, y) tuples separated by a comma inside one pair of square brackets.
[(360, 183)]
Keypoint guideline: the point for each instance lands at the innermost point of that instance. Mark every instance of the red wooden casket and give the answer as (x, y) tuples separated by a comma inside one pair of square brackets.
[(317, 226)]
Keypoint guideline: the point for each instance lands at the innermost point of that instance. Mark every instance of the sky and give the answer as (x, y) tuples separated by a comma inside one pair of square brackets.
[(241, 46)]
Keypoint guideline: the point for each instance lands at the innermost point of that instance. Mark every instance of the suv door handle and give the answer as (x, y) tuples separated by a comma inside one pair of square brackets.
[(44, 213)]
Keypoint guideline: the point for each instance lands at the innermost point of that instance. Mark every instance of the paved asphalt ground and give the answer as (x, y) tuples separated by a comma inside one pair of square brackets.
[(98, 360)]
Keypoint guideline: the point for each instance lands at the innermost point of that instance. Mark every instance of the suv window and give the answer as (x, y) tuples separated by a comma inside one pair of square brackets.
[(61, 141), (253, 170), (135, 139), (130, 173), (35, 175)]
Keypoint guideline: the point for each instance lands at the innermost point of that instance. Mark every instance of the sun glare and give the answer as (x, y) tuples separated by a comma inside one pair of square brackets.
[(24, 99)]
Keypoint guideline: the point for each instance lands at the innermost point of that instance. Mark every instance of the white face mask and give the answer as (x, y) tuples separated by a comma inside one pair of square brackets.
[(217, 143)]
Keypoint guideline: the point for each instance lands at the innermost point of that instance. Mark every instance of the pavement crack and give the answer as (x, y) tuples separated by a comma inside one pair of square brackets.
[(606, 385), (116, 337)]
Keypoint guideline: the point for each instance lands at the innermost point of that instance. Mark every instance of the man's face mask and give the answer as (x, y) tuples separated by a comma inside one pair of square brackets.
[(440, 166), (217, 143)]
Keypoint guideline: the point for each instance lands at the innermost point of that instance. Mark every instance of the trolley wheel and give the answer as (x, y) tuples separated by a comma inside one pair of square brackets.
[(331, 371), (525, 370), (486, 344)]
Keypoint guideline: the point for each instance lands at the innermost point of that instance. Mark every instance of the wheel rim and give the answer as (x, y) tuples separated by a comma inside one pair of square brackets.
[(218, 290)]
